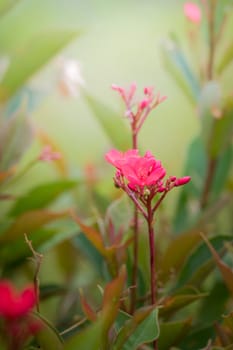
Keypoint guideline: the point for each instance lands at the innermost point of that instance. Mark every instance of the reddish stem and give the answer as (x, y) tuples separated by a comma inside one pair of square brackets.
[(152, 259)]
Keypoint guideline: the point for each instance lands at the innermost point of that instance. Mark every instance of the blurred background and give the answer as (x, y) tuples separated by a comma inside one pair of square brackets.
[(119, 42)]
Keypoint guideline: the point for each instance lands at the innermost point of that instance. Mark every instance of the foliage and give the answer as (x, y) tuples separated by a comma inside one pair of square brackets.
[(109, 296)]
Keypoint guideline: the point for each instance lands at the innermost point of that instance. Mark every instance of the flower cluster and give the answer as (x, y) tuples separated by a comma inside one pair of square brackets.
[(18, 324), (137, 112), (144, 175)]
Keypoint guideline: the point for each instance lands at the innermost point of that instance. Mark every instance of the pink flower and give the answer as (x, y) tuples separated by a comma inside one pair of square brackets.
[(192, 12), (117, 158), (143, 171), (48, 155), (13, 304)]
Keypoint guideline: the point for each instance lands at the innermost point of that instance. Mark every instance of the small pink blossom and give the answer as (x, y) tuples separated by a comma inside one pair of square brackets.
[(182, 181), (192, 12), (48, 155)]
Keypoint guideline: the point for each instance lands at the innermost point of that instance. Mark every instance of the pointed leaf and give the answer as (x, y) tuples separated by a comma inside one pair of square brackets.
[(90, 314), (31, 58), (41, 196), (226, 271), (93, 235), (226, 59), (178, 301), (177, 65), (198, 258), (30, 221), (111, 299), (112, 123), (142, 327), (172, 332)]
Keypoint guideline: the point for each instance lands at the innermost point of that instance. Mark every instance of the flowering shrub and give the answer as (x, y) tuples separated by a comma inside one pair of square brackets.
[(133, 276)]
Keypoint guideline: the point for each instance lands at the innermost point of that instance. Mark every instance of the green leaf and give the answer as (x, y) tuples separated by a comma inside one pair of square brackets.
[(200, 256), (225, 270), (222, 173), (172, 332), (214, 304), (196, 167), (226, 59), (142, 327), (222, 131), (15, 251), (177, 66), (41, 196), (48, 337), (178, 301), (29, 59), (87, 339), (88, 249), (12, 144), (7, 5), (111, 122), (29, 222), (177, 252)]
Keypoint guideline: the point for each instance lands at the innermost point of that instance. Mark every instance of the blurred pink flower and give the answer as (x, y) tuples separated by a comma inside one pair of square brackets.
[(48, 155), (192, 12), (14, 304)]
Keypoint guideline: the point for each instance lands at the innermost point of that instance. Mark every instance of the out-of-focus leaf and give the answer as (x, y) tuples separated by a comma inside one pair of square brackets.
[(176, 64), (112, 123), (226, 271), (7, 5), (41, 196), (92, 235), (89, 250), (221, 173), (226, 59), (198, 258), (179, 300), (31, 58), (30, 221), (142, 327), (27, 95), (119, 213), (14, 252), (111, 299), (210, 310), (222, 131), (177, 251), (172, 332), (12, 144), (197, 338), (87, 309), (87, 339), (196, 167), (48, 337)]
